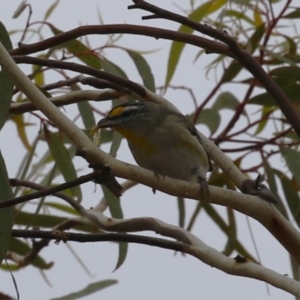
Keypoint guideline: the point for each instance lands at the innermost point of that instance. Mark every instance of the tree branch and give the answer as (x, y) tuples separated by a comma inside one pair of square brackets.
[(252, 206), (201, 251), (243, 56)]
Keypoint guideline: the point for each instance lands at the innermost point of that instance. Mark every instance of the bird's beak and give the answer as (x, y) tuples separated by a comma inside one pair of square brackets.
[(105, 122)]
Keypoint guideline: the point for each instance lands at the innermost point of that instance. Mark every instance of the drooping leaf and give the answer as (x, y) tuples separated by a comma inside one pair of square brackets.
[(239, 15), (123, 249), (235, 67), (181, 210), (82, 52), (21, 248), (50, 10), (86, 114), (63, 161), (116, 212), (229, 231), (281, 58), (6, 214), (21, 128), (290, 73), (211, 118), (47, 221), (177, 47), (144, 69), (6, 83), (293, 15), (62, 207), (115, 144), (112, 68), (85, 110), (90, 289), (289, 88), (292, 159), (265, 112), (226, 100), (291, 195)]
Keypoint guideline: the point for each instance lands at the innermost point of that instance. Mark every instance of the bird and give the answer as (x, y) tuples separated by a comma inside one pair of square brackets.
[(162, 140)]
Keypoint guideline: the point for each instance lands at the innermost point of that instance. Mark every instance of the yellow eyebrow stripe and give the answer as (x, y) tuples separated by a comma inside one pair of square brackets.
[(116, 112)]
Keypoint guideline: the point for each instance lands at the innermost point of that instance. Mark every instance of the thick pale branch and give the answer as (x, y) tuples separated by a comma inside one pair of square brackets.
[(67, 99), (264, 212), (201, 251)]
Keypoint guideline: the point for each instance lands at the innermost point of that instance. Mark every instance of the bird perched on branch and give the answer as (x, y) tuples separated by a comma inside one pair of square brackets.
[(162, 140)]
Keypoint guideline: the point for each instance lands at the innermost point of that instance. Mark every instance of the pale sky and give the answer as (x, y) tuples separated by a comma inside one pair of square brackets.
[(148, 272)]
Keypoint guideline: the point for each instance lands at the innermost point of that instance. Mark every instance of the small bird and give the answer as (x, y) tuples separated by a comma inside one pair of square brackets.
[(162, 140)]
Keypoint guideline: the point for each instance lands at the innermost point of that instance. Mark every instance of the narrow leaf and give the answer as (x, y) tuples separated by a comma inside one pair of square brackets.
[(6, 83), (6, 214), (211, 118), (226, 100), (90, 289), (21, 248), (63, 160), (291, 195), (82, 52), (292, 158), (116, 212), (144, 69), (181, 210), (177, 47)]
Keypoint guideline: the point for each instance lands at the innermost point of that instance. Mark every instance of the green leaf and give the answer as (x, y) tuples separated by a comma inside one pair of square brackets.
[(177, 47), (293, 15), (239, 15), (265, 112), (113, 203), (63, 161), (281, 58), (21, 248), (226, 100), (90, 289), (291, 196), (82, 52), (62, 207), (144, 69), (292, 159), (295, 268), (254, 40), (271, 178), (116, 212), (6, 83), (290, 73), (85, 110), (6, 214), (112, 68), (290, 89), (211, 118), (50, 10), (123, 249), (194, 216), (228, 230), (116, 142), (232, 71), (235, 67), (181, 209), (26, 162), (47, 221), (86, 114), (21, 128)]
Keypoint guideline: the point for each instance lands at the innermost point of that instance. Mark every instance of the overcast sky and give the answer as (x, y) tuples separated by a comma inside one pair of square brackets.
[(148, 272)]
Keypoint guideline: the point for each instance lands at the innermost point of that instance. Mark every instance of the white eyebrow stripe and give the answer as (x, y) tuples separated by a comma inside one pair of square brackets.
[(129, 108)]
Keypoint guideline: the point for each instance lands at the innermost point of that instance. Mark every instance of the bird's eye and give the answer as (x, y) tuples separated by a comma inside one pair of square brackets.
[(127, 113)]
